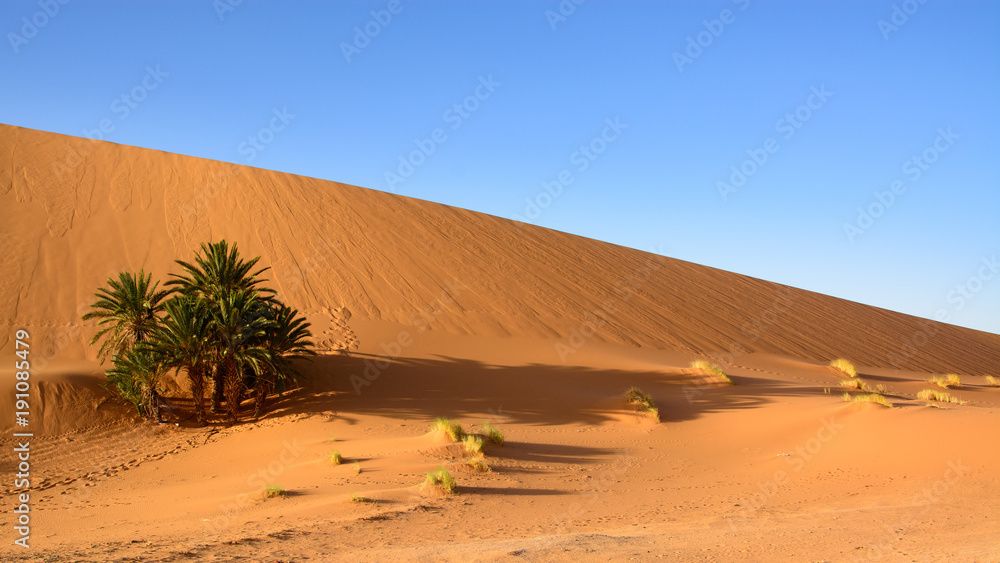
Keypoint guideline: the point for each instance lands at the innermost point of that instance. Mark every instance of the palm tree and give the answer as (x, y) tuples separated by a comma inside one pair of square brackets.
[(183, 341), (216, 273), (128, 310), (240, 326), (136, 375), (286, 340)]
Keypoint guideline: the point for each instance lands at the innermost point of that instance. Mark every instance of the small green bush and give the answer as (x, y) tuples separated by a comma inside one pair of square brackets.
[(275, 491), (450, 427), (709, 367), (493, 434), (473, 444), (441, 479)]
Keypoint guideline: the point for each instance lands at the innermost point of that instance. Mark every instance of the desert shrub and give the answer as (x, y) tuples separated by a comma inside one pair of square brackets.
[(712, 369), (478, 463), (275, 491), (944, 382), (642, 402), (441, 479), (452, 428), (992, 381), (939, 397), (359, 498), (845, 366), (335, 457), (868, 398), (473, 444), (493, 434)]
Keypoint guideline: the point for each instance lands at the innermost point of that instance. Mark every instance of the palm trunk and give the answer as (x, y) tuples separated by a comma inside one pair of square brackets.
[(233, 378), (263, 389), (218, 383), (197, 376), (154, 406)]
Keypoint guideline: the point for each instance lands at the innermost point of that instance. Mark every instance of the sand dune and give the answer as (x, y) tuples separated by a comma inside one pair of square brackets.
[(447, 312), (78, 210)]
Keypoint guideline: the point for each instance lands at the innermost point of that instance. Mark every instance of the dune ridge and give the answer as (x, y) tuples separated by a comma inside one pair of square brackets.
[(76, 211)]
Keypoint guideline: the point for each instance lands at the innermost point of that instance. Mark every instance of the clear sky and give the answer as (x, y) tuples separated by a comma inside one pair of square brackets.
[(741, 135)]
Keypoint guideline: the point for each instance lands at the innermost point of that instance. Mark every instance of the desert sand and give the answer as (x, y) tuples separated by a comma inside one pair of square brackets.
[(421, 310)]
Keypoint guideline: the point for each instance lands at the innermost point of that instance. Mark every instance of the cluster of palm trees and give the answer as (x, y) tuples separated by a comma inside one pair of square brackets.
[(216, 322)]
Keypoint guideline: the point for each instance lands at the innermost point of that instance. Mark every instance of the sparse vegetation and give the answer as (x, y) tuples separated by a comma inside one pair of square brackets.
[(359, 498), (357, 468), (451, 428), (642, 402), (473, 444), (868, 398), (216, 322), (862, 385), (494, 435), (939, 397), (992, 381), (712, 369), (944, 382), (845, 366), (441, 479), (478, 463), (275, 491), (335, 457)]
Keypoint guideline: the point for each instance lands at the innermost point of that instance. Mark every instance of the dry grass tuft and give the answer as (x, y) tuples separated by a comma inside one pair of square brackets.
[(992, 381), (450, 427), (642, 402), (275, 491), (712, 369), (359, 498), (335, 457), (441, 479), (473, 444), (492, 433), (478, 463), (939, 396), (845, 366), (852, 384), (950, 380), (868, 398)]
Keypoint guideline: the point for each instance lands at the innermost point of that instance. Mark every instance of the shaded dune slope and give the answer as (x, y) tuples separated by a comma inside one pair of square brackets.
[(75, 211)]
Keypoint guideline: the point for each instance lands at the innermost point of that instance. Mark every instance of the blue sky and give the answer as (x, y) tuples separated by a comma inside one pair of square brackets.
[(741, 135)]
